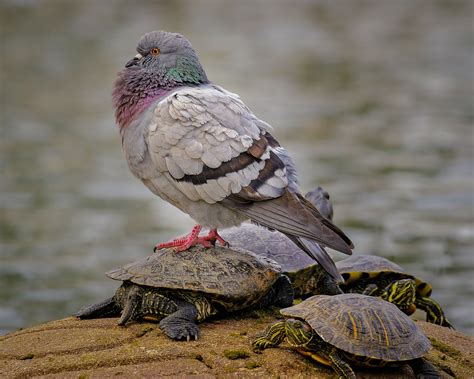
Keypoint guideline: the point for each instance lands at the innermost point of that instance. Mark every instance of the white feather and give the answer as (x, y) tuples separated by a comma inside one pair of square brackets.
[(266, 190), (277, 182), (225, 183), (219, 135), (266, 154), (174, 113), (189, 190), (194, 149), (251, 171), (244, 180), (235, 181), (214, 190), (210, 159), (173, 168), (211, 139), (231, 133), (237, 146), (280, 172), (204, 195), (223, 152), (246, 141)]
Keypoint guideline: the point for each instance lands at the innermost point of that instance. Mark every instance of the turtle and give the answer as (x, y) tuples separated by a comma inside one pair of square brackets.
[(184, 288), (347, 329), (308, 278), (378, 276)]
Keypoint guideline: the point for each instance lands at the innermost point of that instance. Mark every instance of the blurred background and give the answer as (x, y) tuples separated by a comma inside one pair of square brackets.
[(374, 100)]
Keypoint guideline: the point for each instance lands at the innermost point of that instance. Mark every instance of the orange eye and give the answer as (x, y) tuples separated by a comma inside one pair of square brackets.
[(155, 51)]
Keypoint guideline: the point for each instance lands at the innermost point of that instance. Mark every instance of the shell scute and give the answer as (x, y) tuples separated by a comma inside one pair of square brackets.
[(362, 325), (268, 243), (227, 273), (359, 267)]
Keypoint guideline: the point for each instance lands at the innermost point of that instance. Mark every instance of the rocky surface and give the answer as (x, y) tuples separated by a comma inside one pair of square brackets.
[(72, 348)]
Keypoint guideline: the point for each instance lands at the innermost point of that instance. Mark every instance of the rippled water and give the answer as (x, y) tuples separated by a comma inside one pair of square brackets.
[(373, 99)]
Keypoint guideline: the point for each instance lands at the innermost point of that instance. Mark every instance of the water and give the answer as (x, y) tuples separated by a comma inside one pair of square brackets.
[(373, 99)]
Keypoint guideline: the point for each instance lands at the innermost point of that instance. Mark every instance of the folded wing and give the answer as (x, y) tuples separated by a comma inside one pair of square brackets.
[(212, 148)]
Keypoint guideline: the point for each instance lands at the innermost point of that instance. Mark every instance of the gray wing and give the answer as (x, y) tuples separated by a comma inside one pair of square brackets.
[(209, 144), (320, 255), (212, 148)]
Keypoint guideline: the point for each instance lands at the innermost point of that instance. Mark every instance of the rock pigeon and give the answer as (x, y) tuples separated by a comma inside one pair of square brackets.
[(199, 147)]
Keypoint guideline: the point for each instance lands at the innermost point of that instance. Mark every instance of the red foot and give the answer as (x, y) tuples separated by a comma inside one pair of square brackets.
[(214, 236), (181, 244)]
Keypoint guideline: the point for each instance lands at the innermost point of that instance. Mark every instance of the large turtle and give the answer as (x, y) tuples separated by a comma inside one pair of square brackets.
[(351, 329), (308, 278), (185, 288), (378, 276)]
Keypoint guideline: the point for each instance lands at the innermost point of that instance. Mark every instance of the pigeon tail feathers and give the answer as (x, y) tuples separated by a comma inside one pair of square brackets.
[(319, 254), (291, 214)]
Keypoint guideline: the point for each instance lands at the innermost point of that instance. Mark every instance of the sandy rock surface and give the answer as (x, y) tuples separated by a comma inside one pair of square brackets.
[(71, 348)]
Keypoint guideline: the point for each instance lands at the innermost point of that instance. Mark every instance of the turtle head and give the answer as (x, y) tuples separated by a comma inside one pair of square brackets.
[(320, 199), (402, 293), (129, 297), (298, 332)]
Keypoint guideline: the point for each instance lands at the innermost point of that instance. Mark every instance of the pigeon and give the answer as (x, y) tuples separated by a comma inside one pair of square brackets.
[(200, 148)]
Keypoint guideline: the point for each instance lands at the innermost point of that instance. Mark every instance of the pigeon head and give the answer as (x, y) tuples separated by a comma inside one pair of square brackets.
[(164, 62), (169, 57)]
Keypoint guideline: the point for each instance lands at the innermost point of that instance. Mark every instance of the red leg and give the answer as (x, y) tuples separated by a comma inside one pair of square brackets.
[(214, 236), (181, 244)]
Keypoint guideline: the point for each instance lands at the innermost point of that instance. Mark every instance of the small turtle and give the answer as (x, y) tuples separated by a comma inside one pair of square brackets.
[(351, 329), (377, 276), (308, 278), (186, 288)]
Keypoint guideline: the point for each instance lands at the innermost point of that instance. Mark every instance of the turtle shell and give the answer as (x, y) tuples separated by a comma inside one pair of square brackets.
[(371, 266), (269, 244), (308, 278), (362, 325), (275, 245), (232, 274)]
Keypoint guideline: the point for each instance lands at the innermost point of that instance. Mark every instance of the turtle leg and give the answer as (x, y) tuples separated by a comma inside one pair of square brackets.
[(132, 304), (327, 354), (434, 313), (371, 290), (181, 324), (271, 337), (281, 294), (106, 308), (339, 365), (424, 369)]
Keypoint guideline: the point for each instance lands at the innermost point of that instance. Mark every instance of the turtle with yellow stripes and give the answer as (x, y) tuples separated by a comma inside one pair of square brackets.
[(351, 329), (377, 276)]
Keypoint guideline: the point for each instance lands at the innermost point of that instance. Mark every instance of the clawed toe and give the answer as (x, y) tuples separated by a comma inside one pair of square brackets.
[(186, 331), (182, 244)]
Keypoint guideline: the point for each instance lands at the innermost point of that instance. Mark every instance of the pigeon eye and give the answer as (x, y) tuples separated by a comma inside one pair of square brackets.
[(155, 51)]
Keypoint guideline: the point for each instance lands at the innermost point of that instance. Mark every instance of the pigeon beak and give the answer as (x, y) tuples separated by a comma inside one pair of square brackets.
[(134, 61)]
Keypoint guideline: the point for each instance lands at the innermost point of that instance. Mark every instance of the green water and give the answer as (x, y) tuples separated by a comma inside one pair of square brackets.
[(373, 99)]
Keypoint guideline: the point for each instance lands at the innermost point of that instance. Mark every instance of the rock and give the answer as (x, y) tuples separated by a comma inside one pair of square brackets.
[(72, 348)]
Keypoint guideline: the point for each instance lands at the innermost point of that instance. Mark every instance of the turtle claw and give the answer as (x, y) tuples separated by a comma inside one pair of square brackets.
[(180, 329)]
